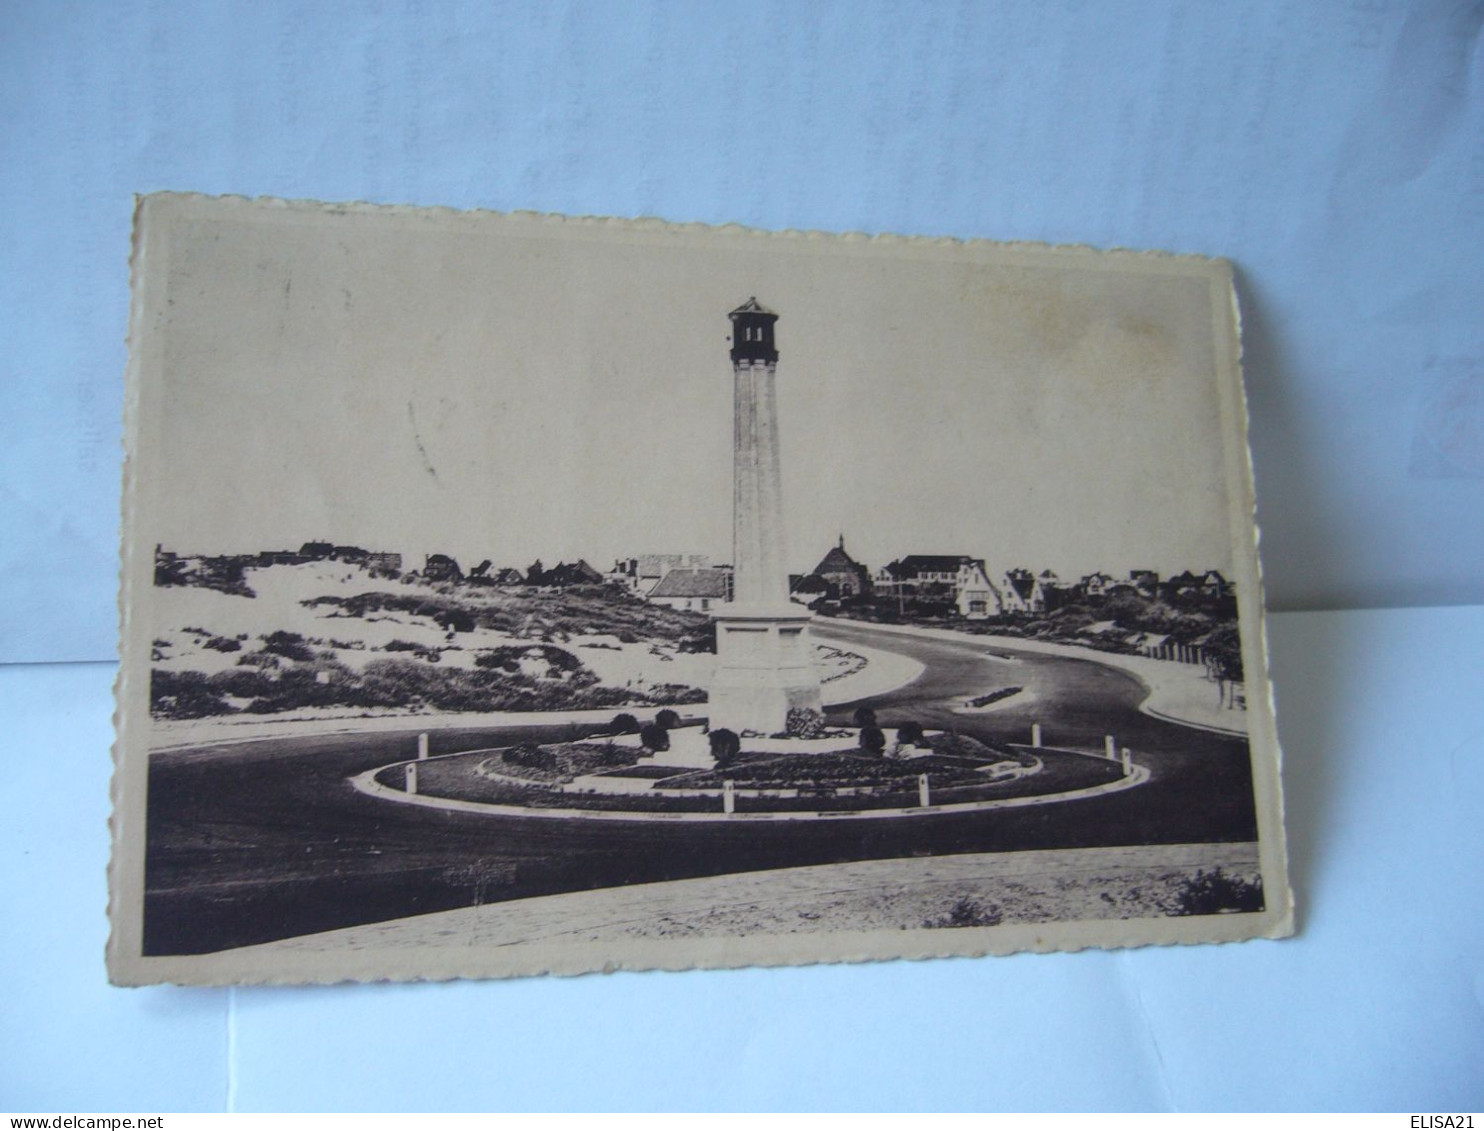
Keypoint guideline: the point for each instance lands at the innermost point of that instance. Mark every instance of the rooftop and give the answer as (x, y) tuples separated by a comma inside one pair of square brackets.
[(692, 583), (752, 306)]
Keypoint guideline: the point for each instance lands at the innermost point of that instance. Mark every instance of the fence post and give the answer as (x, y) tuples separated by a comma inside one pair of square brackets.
[(422, 746), (411, 777), (924, 792), (1110, 751), (1035, 734), (1128, 761), (728, 796)]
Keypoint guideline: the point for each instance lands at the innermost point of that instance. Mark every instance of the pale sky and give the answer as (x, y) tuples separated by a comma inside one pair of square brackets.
[(508, 389)]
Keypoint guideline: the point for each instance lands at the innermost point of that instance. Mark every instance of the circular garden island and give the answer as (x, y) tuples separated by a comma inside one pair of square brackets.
[(666, 767)]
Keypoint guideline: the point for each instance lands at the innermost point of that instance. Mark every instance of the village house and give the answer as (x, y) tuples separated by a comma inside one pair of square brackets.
[(1096, 584), (489, 575), (384, 562), (843, 576), (280, 557), (695, 590), (949, 579), (1024, 592), (574, 573), (1145, 582), (1019, 592), (1214, 586), (643, 572), (1183, 584), (1209, 589), (923, 576), (977, 596), (441, 567)]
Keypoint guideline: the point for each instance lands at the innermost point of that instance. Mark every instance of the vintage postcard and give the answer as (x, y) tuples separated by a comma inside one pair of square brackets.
[(508, 594)]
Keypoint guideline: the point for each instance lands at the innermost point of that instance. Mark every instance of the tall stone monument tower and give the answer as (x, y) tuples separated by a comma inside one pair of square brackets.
[(764, 660)]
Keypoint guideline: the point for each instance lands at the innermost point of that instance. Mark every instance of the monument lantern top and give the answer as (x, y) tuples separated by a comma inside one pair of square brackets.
[(752, 333)]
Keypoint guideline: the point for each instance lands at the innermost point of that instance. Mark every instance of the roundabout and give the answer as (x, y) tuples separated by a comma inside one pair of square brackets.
[(287, 835), (614, 778)]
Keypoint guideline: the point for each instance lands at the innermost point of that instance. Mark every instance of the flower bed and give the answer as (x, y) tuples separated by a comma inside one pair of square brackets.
[(655, 773), (831, 771), (764, 783)]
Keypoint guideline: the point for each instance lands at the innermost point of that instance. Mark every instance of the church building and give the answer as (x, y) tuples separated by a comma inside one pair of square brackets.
[(845, 576)]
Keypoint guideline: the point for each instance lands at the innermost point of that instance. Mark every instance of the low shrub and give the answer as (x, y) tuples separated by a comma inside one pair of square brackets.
[(833, 770), (701, 639), (455, 620), (873, 741), (864, 717), (243, 682), (224, 574), (223, 644), (655, 738), (565, 760), (667, 719), (530, 614), (289, 645), (804, 722), (910, 733), (184, 695), (1214, 892), (725, 745), (276, 682), (676, 693), (967, 912), (517, 658), (529, 754), (421, 651), (623, 723)]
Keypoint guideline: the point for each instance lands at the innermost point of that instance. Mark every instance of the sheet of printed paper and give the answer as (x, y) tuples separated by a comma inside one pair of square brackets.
[(514, 594)]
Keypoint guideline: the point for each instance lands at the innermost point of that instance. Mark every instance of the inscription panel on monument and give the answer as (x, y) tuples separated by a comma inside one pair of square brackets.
[(748, 645)]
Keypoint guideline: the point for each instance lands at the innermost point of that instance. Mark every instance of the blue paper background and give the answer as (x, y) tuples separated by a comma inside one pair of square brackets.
[(1335, 151)]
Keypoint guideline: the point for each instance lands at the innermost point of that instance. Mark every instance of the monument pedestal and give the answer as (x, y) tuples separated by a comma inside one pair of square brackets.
[(764, 667)]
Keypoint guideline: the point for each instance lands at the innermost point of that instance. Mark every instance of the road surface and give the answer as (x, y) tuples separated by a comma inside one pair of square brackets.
[(256, 841)]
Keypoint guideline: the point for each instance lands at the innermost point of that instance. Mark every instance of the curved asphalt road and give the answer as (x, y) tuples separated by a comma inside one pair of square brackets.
[(265, 840)]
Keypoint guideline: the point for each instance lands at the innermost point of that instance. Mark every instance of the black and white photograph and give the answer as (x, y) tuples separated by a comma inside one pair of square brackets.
[(513, 594)]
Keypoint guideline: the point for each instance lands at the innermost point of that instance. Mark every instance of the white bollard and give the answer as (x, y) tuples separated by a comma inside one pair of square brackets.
[(1110, 751), (728, 796), (411, 777), (422, 746), (1128, 761), (924, 794), (1035, 734)]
